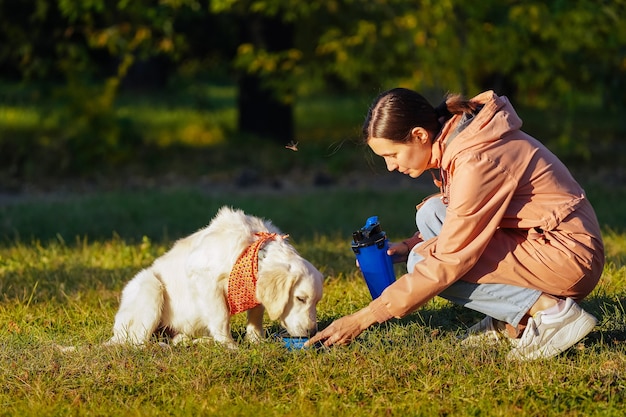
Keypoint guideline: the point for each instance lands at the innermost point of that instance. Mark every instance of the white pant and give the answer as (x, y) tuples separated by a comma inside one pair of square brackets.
[(504, 302)]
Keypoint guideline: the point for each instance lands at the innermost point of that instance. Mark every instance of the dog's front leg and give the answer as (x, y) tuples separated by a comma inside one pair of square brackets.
[(254, 328), (225, 338), (218, 323)]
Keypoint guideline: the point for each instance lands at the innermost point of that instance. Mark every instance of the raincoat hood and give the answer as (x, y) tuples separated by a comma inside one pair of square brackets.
[(495, 119)]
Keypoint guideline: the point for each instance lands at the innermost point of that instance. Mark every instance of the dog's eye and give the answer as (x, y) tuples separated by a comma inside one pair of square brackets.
[(301, 299)]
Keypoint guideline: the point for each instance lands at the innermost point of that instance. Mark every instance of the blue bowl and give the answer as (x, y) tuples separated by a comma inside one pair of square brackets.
[(294, 343)]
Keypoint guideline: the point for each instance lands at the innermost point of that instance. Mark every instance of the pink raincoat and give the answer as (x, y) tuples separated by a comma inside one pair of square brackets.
[(515, 215)]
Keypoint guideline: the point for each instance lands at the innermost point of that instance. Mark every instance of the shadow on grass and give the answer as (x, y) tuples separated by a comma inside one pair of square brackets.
[(40, 284), (609, 310), (449, 318)]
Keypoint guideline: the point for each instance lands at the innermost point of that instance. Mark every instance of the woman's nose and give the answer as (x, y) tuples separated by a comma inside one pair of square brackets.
[(391, 166)]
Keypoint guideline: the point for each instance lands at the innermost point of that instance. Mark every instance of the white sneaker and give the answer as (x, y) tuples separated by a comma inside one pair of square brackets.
[(488, 331), (546, 336)]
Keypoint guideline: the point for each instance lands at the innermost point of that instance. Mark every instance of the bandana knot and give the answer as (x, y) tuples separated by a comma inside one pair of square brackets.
[(242, 280)]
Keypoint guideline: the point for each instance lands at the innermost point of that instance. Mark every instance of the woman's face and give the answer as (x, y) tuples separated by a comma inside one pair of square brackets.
[(411, 158)]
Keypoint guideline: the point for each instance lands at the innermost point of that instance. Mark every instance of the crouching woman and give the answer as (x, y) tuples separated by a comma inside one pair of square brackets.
[(511, 234)]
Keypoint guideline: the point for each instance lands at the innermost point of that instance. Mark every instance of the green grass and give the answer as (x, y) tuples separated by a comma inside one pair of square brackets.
[(191, 130), (64, 261)]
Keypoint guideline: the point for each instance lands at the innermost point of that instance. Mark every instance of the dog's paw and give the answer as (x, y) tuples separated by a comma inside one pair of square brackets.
[(253, 337), (181, 339), (230, 345)]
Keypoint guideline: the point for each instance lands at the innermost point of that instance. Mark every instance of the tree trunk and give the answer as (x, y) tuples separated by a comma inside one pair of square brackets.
[(261, 110)]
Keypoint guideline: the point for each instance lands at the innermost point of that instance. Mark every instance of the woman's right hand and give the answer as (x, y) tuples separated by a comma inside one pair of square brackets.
[(399, 252)]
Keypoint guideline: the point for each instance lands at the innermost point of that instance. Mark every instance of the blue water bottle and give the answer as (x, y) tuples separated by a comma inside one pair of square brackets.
[(370, 246)]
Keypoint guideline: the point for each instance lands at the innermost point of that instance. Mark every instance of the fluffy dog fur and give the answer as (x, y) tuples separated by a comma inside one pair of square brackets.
[(184, 291)]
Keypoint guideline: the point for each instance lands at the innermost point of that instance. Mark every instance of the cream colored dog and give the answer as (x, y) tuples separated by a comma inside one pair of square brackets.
[(184, 291)]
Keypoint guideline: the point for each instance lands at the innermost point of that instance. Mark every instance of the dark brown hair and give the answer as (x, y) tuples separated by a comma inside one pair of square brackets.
[(394, 113)]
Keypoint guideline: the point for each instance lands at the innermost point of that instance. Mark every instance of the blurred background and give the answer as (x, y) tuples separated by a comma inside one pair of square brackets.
[(116, 92)]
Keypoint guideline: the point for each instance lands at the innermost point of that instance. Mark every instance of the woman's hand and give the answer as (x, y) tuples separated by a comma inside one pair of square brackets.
[(399, 252), (342, 331)]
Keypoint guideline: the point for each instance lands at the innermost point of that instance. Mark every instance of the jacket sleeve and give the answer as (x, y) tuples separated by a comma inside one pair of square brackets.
[(480, 192)]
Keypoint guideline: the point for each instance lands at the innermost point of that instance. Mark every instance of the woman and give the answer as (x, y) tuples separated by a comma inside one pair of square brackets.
[(511, 234)]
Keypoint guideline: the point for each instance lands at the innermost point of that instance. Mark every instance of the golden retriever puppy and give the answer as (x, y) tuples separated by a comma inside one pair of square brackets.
[(186, 291)]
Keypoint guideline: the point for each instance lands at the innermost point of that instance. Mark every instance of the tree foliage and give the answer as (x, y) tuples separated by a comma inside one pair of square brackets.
[(558, 53), (547, 50)]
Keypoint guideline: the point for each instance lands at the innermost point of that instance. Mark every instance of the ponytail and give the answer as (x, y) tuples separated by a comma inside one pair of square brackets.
[(454, 104)]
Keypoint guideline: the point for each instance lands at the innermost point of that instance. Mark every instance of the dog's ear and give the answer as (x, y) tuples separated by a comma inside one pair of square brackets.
[(274, 290)]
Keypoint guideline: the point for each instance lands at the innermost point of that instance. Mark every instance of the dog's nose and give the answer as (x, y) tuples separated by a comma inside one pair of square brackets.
[(312, 331)]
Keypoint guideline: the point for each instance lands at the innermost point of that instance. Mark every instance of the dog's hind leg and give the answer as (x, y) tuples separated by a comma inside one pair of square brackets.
[(140, 310)]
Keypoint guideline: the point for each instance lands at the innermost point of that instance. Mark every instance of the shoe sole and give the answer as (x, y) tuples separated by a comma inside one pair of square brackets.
[(587, 323)]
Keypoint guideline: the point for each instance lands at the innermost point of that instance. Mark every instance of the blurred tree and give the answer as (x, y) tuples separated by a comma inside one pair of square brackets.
[(554, 53), (29, 31), (89, 46), (557, 52), (264, 110)]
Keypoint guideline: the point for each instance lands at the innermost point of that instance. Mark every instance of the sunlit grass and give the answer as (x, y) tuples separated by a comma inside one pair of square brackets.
[(415, 366), (206, 116), (615, 243), (65, 259), (166, 127), (14, 117), (61, 285), (188, 131)]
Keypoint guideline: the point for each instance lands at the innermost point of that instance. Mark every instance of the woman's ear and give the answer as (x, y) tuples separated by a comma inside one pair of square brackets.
[(419, 134)]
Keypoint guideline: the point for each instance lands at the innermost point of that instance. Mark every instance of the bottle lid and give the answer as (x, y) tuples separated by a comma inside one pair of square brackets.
[(369, 234)]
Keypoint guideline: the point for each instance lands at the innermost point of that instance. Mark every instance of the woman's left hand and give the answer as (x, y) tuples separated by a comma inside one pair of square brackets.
[(342, 331)]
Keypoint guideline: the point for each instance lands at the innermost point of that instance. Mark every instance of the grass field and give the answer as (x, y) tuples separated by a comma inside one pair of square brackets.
[(66, 254), (64, 260)]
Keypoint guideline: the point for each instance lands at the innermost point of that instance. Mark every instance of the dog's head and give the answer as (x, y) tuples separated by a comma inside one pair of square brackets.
[(289, 287)]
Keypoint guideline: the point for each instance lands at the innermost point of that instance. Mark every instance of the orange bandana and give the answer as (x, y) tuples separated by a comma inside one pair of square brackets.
[(242, 279)]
